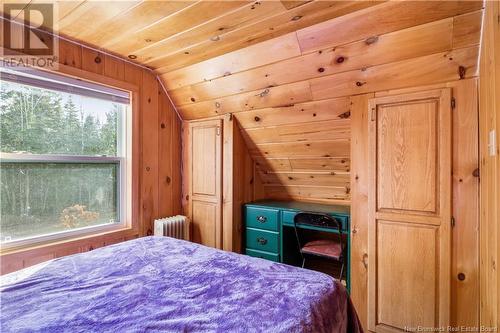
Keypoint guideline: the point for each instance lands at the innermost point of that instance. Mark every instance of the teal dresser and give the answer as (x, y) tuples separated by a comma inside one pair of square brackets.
[(269, 229)]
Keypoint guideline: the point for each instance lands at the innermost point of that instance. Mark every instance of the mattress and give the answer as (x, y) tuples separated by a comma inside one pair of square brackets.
[(161, 284)]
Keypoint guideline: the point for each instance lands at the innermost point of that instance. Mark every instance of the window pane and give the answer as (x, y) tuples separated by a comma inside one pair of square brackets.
[(44, 198), (42, 121)]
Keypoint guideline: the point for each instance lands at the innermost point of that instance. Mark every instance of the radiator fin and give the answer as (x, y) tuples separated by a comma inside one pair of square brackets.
[(174, 226)]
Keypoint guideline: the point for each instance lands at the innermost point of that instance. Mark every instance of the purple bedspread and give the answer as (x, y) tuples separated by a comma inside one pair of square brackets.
[(162, 284)]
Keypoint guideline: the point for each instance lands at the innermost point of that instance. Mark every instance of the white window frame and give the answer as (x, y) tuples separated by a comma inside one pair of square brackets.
[(123, 161)]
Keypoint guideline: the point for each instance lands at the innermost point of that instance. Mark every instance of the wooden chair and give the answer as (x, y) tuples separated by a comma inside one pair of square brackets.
[(331, 249)]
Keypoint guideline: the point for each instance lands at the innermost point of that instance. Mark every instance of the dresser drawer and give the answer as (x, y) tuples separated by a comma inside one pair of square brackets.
[(262, 240), (264, 255), (262, 218)]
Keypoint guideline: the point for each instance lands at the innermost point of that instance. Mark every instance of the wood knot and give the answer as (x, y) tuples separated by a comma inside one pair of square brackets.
[(149, 100), (345, 115), (340, 60), (475, 173), (168, 180), (256, 118), (97, 60), (217, 104), (461, 276), (264, 93), (162, 125), (371, 40), (193, 99), (321, 69), (148, 168), (359, 84)]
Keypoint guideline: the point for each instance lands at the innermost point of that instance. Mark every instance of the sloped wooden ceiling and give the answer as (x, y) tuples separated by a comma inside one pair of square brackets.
[(167, 35), (292, 95), (287, 70)]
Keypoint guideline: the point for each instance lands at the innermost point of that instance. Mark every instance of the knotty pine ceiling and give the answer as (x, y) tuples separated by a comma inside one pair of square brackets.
[(287, 70)]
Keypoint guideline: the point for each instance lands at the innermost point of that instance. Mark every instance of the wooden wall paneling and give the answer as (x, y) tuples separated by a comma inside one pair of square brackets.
[(322, 194), (323, 163), (238, 179), (176, 162), (313, 131), (274, 26), (70, 54), (253, 56), (166, 141), (31, 256), (272, 164), (92, 61), (79, 61), (333, 148), (489, 121), (467, 29), (465, 255), (433, 37), (359, 205), (114, 67), (324, 178), (149, 149), (229, 177), (259, 192), (270, 97), (373, 21), (440, 67), (185, 169), (329, 109)]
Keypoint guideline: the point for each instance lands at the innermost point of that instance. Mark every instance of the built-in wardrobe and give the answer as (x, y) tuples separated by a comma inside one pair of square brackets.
[(218, 178)]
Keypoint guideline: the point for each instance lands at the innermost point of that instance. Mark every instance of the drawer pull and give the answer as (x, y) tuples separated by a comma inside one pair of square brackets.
[(262, 219), (261, 240)]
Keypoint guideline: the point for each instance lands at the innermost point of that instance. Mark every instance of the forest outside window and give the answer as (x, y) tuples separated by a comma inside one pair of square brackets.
[(63, 153)]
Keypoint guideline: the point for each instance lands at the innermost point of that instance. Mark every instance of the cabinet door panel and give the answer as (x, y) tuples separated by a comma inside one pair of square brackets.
[(205, 181), (409, 211), (406, 276), (406, 159), (204, 160), (205, 214)]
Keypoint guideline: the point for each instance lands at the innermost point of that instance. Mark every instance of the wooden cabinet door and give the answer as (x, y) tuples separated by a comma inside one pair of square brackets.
[(409, 211), (205, 189)]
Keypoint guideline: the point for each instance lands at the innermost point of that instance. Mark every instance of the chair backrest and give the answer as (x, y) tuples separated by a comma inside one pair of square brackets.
[(317, 220)]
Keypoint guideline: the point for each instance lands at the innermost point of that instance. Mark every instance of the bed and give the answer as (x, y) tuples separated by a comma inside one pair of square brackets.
[(169, 285)]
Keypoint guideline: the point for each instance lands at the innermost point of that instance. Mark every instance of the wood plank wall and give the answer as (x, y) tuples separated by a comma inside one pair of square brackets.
[(301, 102), (158, 158), (291, 94), (489, 117)]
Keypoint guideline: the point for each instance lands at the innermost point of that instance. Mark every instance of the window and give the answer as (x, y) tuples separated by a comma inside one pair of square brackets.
[(63, 153)]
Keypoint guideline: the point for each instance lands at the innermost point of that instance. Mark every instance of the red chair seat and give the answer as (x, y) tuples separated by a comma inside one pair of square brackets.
[(324, 248)]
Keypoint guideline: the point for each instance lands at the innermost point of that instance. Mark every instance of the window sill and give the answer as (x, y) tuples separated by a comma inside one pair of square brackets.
[(119, 231)]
